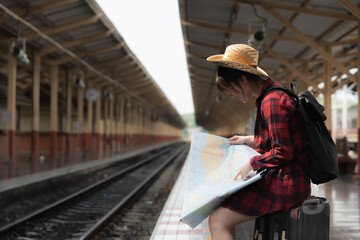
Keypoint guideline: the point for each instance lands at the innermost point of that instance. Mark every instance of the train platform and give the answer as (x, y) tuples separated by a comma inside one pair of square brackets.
[(29, 178), (343, 195)]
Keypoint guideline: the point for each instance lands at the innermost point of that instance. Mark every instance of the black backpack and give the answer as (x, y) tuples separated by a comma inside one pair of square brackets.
[(323, 164)]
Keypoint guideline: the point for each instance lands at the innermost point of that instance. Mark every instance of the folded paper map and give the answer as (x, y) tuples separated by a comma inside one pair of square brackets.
[(213, 164)]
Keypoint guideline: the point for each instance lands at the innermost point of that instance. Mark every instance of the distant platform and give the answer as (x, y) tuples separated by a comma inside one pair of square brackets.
[(29, 178)]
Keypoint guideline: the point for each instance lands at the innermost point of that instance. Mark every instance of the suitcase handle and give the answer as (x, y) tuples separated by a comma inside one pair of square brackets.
[(312, 201), (313, 206)]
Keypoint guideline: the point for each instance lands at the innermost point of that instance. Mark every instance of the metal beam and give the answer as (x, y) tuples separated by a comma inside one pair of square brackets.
[(88, 54), (237, 30), (38, 8), (293, 8), (332, 60), (287, 64), (72, 43), (351, 7), (65, 27)]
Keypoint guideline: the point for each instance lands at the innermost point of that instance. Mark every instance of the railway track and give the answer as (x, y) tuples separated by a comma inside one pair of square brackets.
[(17, 205), (86, 212)]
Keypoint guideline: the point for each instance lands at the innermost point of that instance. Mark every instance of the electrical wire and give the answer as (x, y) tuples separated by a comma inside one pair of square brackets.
[(257, 15)]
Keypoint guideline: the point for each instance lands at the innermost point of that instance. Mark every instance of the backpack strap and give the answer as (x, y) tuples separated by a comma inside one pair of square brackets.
[(288, 91), (293, 87)]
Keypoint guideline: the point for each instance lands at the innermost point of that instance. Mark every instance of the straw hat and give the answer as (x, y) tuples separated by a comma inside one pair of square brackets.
[(241, 57)]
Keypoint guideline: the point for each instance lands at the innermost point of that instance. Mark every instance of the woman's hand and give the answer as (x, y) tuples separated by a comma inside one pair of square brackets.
[(241, 140), (245, 172)]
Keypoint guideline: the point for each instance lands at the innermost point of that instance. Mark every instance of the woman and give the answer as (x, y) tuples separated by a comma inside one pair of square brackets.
[(279, 137)]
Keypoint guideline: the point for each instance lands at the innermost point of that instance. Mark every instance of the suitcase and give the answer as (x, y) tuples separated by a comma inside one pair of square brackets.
[(311, 221)]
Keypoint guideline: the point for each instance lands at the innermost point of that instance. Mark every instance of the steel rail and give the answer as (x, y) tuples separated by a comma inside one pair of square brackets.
[(105, 219)]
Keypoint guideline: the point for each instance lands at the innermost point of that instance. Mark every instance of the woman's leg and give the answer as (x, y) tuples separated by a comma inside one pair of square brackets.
[(222, 223)]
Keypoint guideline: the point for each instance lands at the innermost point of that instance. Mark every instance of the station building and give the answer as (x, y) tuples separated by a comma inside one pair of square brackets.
[(71, 90)]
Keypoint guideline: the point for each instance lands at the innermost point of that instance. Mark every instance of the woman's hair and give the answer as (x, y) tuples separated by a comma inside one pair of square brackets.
[(227, 75)]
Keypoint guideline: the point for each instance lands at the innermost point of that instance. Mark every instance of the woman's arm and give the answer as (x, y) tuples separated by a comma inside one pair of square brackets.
[(276, 110), (249, 140)]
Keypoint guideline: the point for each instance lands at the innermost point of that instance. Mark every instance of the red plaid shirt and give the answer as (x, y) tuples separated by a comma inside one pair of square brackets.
[(279, 137)]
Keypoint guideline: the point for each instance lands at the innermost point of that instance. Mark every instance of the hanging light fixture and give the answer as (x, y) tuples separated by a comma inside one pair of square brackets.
[(257, 30), (78, 79), (19, 52)]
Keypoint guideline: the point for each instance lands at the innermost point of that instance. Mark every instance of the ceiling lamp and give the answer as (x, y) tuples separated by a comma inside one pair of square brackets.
[(19, 52), (257, 30)]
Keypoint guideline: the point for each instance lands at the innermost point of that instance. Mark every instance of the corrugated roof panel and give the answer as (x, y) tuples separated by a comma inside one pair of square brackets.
[(306, 22), (247, 16), (209, 11), (206, 76), (344, 28), (64, 8), (64, 17), (288, 49), (330, 5), (108, 55), (11, 4), (269, 62), (238, 38), (120, 53), (201, 51), (36, 2), (206, 35), (60, 37), (101, 43), (87, 30), (198, 62)]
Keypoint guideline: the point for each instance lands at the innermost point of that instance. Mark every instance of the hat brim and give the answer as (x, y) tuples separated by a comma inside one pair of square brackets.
[(218, 60)]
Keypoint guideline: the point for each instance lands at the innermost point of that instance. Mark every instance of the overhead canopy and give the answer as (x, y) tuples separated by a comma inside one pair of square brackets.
[(302, 37), (78, 36)]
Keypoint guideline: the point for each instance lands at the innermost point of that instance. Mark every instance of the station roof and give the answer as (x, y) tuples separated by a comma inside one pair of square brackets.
[(300, 36), (77, 34)]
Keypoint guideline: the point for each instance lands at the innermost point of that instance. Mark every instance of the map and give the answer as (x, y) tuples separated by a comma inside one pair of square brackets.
[(213, 164)]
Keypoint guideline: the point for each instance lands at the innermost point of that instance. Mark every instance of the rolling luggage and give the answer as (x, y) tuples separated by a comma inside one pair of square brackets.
[(311, 221)]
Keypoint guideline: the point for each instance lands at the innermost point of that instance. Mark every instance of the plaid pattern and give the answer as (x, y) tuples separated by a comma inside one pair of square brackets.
[(279, 136)]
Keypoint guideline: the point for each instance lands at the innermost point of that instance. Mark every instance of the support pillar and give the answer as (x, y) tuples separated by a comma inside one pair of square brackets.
[(122, 124), (68, 138), (89, 139), (136, 124), (131, 124), (54, 113), (98, 125), (106, 123), (11, 108), (80, 122), (111, 125), (126, 123), (358, 107), (36, 113), (117, 124), (327, 91), (344, 112), (141, 127)]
